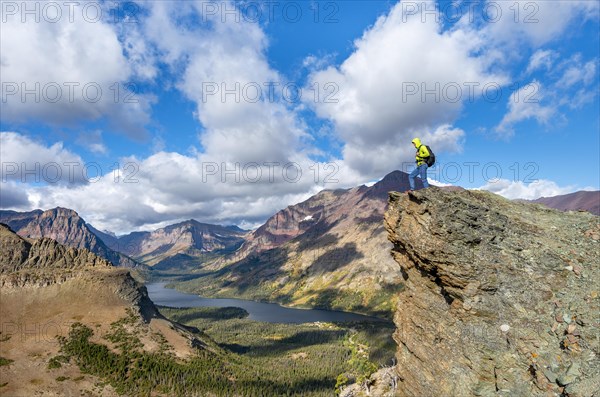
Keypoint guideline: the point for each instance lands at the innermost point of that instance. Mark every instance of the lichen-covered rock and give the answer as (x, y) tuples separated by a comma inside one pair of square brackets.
[(501, 297)]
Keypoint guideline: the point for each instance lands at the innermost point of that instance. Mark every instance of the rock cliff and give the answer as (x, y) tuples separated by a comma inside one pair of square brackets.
[(501, 298)]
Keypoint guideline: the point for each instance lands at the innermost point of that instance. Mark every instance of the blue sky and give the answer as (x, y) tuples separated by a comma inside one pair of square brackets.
[(147, 113)]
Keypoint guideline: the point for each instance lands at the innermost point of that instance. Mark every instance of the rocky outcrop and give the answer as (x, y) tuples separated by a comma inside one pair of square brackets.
[(501, 298), (41, 262), (66, 227), (13, 248)]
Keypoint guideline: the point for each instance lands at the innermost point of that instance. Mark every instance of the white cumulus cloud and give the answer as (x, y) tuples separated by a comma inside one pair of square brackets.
[(68, 67), (528, 191), (525, 103), (393, 86), (542, 59), (534, 23), (27, 161), (156, 190)]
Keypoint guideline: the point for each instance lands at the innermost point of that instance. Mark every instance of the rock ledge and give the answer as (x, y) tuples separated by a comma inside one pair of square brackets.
[(501, 297)]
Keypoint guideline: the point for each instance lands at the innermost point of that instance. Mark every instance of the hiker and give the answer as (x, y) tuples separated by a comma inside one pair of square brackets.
[(421, 160)]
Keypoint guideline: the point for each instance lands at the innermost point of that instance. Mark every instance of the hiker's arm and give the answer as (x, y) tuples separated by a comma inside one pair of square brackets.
[(423, 152)]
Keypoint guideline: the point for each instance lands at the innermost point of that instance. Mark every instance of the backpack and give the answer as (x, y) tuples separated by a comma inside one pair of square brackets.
[(431, 159)]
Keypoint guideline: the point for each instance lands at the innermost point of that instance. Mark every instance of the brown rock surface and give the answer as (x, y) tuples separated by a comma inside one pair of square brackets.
[(492, 306)]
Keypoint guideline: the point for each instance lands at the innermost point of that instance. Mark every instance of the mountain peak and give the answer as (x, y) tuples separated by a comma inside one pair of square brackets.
[(189, 238), (61, 211), (394, 181), (66, 227)]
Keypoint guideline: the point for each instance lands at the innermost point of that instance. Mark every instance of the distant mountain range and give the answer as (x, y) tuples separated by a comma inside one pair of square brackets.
[(329, 251), (315, 216), (175, 244), (66, 227), (578, 201)]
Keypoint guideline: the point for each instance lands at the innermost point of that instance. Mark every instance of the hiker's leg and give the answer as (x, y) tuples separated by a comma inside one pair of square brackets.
[(411, 178), (423, 171)]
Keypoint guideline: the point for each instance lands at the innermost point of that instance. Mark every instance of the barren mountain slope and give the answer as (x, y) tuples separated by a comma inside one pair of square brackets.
[(45, 289)]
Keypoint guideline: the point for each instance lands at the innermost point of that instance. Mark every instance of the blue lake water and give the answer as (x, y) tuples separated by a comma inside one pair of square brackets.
[(259, 311)]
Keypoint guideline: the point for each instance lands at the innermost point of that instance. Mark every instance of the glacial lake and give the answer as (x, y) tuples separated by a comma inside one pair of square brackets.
[(259, 311)]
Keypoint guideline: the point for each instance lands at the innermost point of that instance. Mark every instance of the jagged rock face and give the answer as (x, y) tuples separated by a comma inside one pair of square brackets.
[(42, 262), (59, 224), (501, 298), (190, 238), (294, 221), (13, 248), (66, 227)]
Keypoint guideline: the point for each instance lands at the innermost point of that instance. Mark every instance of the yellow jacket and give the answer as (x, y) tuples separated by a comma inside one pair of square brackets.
[(422, 152)]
